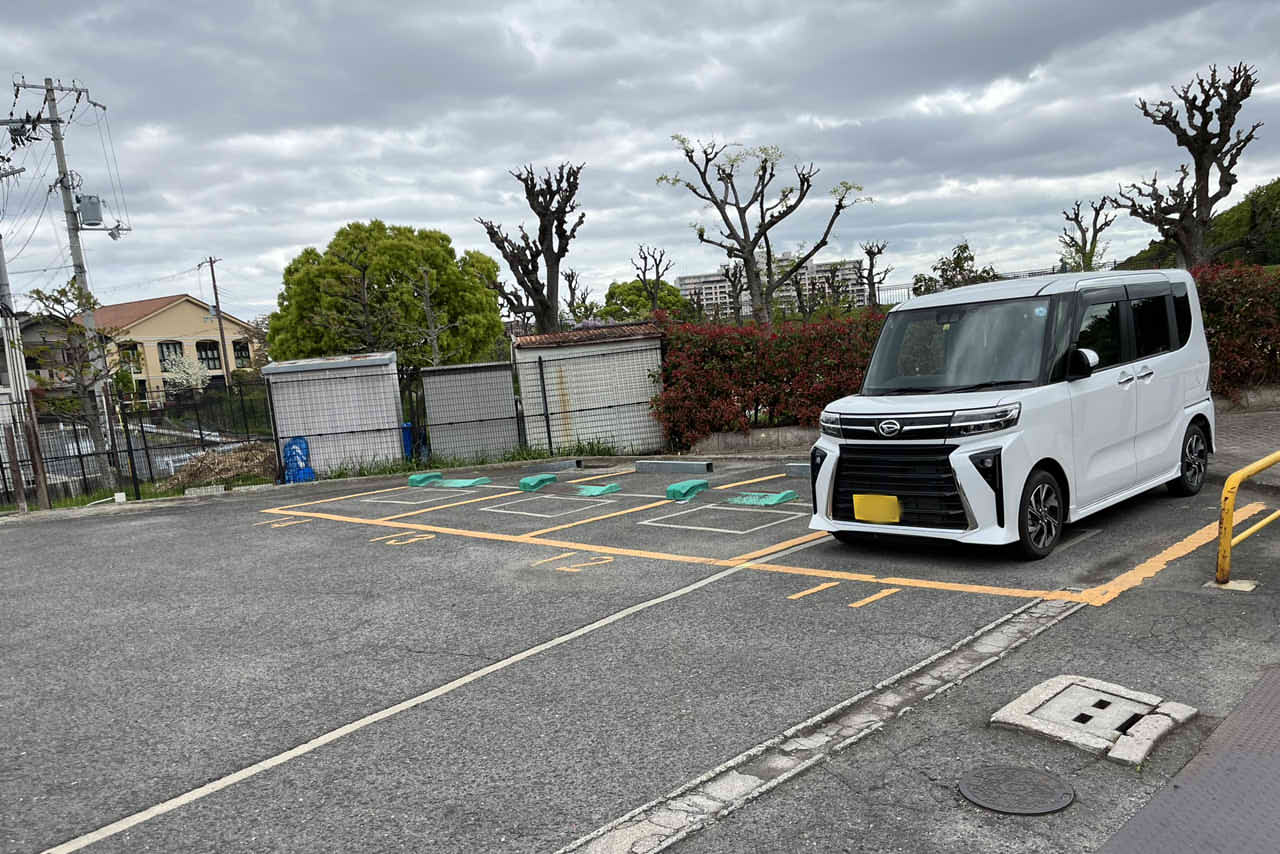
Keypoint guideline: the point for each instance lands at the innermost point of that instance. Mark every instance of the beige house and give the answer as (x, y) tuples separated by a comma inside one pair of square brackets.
[(149, 333)]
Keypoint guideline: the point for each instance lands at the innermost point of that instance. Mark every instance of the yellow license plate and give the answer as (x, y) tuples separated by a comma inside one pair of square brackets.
[(877, 508)]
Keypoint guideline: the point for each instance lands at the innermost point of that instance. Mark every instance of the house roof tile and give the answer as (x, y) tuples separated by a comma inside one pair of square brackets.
[(592, 335)]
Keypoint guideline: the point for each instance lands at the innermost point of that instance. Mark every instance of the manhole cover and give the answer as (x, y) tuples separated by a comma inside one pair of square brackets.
[(1018, 791)]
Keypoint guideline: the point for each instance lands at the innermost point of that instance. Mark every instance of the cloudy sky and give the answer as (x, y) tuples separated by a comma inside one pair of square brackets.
[(251, 130)]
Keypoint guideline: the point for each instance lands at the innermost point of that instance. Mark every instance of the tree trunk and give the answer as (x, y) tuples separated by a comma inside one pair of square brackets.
[(547, 311), (759, 310), (106, 460)]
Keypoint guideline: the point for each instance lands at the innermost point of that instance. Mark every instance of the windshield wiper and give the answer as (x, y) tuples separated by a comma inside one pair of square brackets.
[(891, 391), (987, 384)]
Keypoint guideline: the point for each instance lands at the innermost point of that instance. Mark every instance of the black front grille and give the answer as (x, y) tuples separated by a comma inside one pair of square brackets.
[(920, 475)]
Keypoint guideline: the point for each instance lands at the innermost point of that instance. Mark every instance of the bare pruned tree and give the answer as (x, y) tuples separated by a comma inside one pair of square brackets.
[(869, 277), (749, 213), (1182, 213), (651, 265), (578, 297), (520, 309), (1081, 251), (552, 197)]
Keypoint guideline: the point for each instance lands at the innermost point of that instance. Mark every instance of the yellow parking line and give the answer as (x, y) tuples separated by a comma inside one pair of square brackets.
[(553, 557), (599, 476), (754, 480), (768, 550), (596, 518), (954, 587), (875, 597), (804, 593), (447, 506), (1095, 596), (1104, 593)]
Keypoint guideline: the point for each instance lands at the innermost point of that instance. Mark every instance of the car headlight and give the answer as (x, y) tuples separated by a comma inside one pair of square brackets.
[(829, 423), (970, 422)]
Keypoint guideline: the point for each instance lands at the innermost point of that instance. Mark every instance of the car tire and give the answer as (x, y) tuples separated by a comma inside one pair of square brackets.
[(850, 538), (1041, 515), (1193, 460)]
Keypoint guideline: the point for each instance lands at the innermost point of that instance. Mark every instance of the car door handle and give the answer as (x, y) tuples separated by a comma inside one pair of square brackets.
[(1125, 379), (1147, 374)]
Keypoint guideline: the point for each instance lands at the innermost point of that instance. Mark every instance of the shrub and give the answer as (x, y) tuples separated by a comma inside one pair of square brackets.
[(1241, 306), (724, 378)]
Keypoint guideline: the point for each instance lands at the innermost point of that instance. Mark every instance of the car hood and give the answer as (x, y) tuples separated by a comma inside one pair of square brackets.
[(906, 404)]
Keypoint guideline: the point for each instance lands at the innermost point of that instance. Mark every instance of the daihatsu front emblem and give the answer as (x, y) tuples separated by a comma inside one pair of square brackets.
[(888, 428)]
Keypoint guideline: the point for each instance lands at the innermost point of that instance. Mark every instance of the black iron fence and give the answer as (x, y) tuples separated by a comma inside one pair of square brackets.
[(121, 443)]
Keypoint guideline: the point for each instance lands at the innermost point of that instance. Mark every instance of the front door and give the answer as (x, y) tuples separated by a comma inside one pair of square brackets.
[(1104, 405)]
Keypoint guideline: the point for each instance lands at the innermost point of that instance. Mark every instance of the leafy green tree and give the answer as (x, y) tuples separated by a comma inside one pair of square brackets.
[(378, 287), (633, 301), (952, 271)]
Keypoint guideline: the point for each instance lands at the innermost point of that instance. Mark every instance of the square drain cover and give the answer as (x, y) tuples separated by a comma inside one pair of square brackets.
[(1096, 716)]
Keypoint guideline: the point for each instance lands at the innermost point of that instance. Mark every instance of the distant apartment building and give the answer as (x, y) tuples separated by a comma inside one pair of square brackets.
[(814, 278)]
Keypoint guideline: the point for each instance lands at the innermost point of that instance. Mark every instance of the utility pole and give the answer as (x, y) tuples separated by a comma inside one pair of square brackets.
[(6, 297), (217, 306), (97, 356)]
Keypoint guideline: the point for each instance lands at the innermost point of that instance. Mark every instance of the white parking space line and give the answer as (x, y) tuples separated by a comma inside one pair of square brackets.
[(786, 516), (253, 770), (440, 495), (355, 726), (581, 505)]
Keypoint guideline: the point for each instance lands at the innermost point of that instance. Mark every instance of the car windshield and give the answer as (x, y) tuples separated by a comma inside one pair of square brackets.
[(960, 348)]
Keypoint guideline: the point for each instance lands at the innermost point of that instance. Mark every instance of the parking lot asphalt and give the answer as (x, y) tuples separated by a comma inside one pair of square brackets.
[(507, 671)]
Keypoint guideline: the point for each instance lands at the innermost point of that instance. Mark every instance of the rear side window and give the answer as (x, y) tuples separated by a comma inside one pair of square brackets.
[(1182, 312), (1100, 331), (1150, 325)]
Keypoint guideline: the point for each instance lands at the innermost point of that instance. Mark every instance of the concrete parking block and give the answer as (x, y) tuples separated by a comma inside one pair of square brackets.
[(673, 466)]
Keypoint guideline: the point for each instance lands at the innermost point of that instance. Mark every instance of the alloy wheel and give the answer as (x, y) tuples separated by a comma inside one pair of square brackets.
[(1195, 459), (1044, 516)]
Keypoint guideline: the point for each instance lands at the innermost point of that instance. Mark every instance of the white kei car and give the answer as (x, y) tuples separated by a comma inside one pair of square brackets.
[(997, 413)]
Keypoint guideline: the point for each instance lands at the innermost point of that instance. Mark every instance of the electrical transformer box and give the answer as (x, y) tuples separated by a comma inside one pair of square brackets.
[(90, 211)]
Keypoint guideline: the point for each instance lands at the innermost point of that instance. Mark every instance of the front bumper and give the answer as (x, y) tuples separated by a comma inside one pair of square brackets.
[(990, 513)]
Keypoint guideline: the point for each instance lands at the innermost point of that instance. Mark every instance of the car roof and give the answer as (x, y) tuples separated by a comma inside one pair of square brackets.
[(1055, 283)]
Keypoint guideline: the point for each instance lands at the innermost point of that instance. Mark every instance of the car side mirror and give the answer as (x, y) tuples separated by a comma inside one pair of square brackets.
[(1083, 361)]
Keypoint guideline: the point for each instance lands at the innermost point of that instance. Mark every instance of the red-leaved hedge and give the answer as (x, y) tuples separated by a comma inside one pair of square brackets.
[(1241, 306), (724, 378)]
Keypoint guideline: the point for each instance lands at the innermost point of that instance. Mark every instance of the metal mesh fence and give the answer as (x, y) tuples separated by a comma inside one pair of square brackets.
[(337, 418), (600, 396), (471, 410), (127, 441)]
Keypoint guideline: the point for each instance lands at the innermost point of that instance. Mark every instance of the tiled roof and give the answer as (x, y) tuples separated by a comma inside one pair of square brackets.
[(124, 314), (592, 335)]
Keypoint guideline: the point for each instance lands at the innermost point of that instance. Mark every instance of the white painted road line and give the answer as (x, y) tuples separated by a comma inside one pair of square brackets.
[(662, 823), (320, 741)]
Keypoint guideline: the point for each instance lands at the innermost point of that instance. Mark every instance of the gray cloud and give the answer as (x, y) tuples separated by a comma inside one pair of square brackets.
[(251, 130)]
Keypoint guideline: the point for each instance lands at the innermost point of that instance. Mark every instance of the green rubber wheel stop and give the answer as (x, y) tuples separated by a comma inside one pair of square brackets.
[(763, 499), (598, 490), (534, 482), (685, 489), (475, 481)]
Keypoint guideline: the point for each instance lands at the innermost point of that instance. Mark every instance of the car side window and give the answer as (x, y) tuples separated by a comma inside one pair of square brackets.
[(1182, 311), (1100, 331), (1151, 325)]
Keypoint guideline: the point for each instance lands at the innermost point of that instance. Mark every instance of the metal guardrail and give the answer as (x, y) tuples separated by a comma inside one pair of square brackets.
[(1226, 522)]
